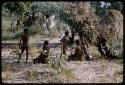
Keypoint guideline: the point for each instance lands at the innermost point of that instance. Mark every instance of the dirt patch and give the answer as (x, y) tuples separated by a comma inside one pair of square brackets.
[(96, 71)]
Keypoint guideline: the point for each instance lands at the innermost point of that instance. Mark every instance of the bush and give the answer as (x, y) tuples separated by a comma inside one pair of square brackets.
[(32, 75), (17, 35), (7, 35), (94, 52), (17, 50), (33, 51), (34, 30)]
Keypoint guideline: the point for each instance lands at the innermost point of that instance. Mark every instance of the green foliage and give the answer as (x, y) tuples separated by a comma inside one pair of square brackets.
[(34, 30), (68, 74), (117, 6), (32, 75), (17, 35), (18, 8), (7, 35), (100, 11), (44, 7)]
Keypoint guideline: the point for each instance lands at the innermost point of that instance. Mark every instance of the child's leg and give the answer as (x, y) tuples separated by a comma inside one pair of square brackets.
[(64, 50), (26, 54), (22, 50)]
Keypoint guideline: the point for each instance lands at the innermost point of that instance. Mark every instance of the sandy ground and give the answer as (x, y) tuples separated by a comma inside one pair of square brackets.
[(96, 71)]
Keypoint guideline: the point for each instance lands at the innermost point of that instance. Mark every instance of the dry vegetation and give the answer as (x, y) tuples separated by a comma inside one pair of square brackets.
[(57, 69)]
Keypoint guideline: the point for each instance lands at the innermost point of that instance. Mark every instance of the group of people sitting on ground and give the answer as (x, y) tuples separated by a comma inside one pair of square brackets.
[(80, 49), (103, 48)]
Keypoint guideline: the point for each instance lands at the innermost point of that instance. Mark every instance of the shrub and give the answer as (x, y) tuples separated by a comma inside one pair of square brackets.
[(7, 71), (7, 35), (32, 75), (16, 50), (34, 51), (34, 30), (94, 51), (17, 35)]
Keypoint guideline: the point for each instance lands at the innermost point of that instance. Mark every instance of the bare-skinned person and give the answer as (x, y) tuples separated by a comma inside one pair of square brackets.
[(84, 45), (24, 44), (65, 40), (78, 52), (44, 53)]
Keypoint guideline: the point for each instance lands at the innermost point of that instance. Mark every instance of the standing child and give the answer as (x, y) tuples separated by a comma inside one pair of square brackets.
[(24, 44), (64, 41)]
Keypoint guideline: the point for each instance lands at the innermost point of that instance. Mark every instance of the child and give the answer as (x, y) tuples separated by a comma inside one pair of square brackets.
[(24, 44), (44, 54), (84, 45), (64, 41), (78, 53), (18, 24)]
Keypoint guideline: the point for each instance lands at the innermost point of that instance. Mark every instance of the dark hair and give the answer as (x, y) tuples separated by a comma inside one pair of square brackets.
[(46, 42), (77, 42), (66, 33), (25, 30), (80, 34)]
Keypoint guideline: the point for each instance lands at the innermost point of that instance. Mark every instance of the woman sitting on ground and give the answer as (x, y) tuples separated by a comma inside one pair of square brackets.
[(44, 54)]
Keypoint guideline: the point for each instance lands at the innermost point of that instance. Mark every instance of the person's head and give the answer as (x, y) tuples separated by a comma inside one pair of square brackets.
[(25, 31), (77, 42), (80, 35), (46, 43), (66, 33)]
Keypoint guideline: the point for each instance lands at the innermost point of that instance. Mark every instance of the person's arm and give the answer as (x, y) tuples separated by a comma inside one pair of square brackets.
[(48, 51), (76, 50), (101, 46), (68, 40), (107, 46), (62, 39), (27, 39), (20, 42), (87, 45)]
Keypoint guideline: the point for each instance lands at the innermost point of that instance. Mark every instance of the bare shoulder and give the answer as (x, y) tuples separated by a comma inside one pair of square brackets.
[(62, 39), (77, 47)]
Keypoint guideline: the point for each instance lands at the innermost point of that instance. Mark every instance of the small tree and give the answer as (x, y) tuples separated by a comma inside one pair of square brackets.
[(17, 8)]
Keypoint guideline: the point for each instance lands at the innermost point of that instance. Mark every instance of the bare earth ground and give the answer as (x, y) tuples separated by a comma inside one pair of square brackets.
[(96, 71)]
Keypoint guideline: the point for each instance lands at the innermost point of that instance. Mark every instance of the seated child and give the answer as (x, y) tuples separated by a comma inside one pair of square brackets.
[(84, 46), (44, 54), (78, 53), (106, 51)]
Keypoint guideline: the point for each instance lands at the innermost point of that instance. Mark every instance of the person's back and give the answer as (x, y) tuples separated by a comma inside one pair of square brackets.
[(85, 47), (24, 39), (64, 41), (78, 52)]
